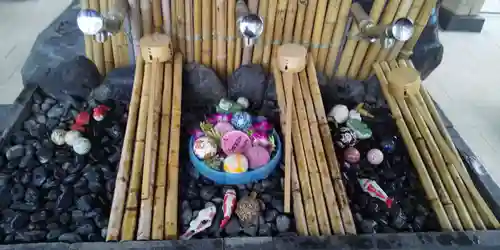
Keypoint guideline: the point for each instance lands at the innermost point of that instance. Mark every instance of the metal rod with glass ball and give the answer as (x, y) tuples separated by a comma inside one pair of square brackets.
[(249, 25), (102, 25)]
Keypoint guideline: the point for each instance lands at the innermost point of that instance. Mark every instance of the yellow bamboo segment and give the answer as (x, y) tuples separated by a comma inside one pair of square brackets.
[(97, 48), (181, 25), (108, 50), (188, 15), (206, 10), (269, 33), (307, 30), (221, 6), (157, 16), (175, 25), (147, 17), (259, 46), (332, 12), (167, 17), (135, 25), (84, 4), (231, 33), (336, 41), (238, 52), (281, 12), (299, 21), (317, 30), (197, 36), (214, 35)]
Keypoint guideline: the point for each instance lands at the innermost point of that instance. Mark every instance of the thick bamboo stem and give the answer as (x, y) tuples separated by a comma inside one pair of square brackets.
[(147, 17), (214, 35), (259, 47), (181, 25), (221, 6), (288, 136), (161, 177), (277, 38), (291, 12), (175, 25), (336, 42), (246, 58), (173, 153), (206, 10), (197, 36), (307, 30), (326, 36), (157, 16), (84, 4), (188, 15), (429, 189), (238, 52), (269, 33), (317, 31), (135, 24), (107, 46), (97, 48), (331, 157), (167, 17), (231, 36), (299, 21), (420, 23)]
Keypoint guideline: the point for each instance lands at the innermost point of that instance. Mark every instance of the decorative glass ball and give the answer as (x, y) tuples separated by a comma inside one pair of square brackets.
[(243, 102), (375, 156), (351, 155), (71, 137), (339, 113), (236, 163), (241, 120), (57, 137), (82, 146)]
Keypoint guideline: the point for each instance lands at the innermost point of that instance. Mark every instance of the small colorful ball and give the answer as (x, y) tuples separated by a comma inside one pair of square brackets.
[(375, 156), (235, 163), (243, 102), (388, 145), (204, 147), (339, 113), (235, 142), (351, 155), (57, 136), (241, 120), (353, 114), (223, 127), (82, 146), (345, 137), (257, 156), (71, 137)]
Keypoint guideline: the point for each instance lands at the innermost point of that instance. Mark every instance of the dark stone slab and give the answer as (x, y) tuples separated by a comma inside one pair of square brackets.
[(264, 243), (37, 246), (451, 22), (206, 244)]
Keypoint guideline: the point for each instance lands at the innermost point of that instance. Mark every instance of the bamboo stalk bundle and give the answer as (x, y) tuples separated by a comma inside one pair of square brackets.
[(326, 36), (301, 165), (167, 17), (352, 42), (331, 157), (135, 24), (84, 4), (317, 30), (97, 48), (214, 35), (403, 10), (361, 50), (291, 12), (206, 51), (123, 175), (411, 14), (336, 42), (259, 46), (309, 19), (107, 48), (246, 58), (420, 23), (231, 36), (276, 40), (181, 25), (188, 15), (157, 16), (299, 21), (173, 153), (147, 17), (221, 6), (269, 32), (175, 25), (420, 167)]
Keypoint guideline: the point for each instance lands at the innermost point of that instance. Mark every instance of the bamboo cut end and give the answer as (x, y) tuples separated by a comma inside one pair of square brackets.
[(156, 47), (404, 81), (291, 58)]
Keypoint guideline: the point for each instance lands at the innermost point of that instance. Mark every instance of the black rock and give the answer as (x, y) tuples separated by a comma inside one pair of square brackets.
[(65, 200), (399, 220), (207, 192), (45, 107), (31, 195), (14, 152), (17, 192), (41, 119), (70, 179), (278, 205), (115, 157), (52, 123), (368, 226), (65, 218), (27, 207), (84, 203), (50, 205), (39, 176), (30, 236), (115, 131), (50, 183), (14, 164), (196, 204), (93, 237), (85, 229), (81, 187), (52, 195), (56, 111), (100, 221), (187, 213), (19, 221), (251, 230), (19, 137), (418, 223), (54, 234), (44, 154), (4, 179), (265, 229), (270, 215), (52, 226), (39, 216), (10, 238), (233, 227), (70, 238), (217, 200), (27, 162), (283, 223), (202, 86), (37, 98), (116, 86), (26, 178), (248, 81)]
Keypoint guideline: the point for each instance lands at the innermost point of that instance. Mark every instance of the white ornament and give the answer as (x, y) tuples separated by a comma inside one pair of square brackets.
[(82, 146), (375, 156), (339, 113), (243, 102), (57, 136), (353, 114), (71, 137)]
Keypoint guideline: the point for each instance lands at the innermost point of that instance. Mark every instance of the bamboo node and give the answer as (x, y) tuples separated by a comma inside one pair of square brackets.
[(404, 81), (291, 58), (156, 47)]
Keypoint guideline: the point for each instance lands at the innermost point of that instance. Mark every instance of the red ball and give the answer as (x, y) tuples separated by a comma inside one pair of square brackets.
[(351, 155)]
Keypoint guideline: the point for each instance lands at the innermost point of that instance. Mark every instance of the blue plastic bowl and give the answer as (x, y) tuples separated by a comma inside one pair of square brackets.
[(224, 178)]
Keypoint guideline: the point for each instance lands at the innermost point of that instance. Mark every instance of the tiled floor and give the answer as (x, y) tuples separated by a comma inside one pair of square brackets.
[(464, 85)]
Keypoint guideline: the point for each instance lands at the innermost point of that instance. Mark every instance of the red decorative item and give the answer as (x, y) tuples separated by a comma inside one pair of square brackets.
[(82, 119), (78, 127), (99, 112)]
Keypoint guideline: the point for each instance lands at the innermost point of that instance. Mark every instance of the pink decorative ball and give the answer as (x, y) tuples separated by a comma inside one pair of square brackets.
[(223, 127), (235, 142), (257, 156), (375, 156), (351, 155)]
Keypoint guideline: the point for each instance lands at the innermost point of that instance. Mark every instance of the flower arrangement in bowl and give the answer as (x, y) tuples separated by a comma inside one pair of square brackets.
[(233, 147)]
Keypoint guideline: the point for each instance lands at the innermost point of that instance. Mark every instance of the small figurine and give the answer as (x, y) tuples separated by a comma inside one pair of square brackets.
[(243, 102), (82, 146), (388, 145), (223, 127), (257, 156), (82, 118), (345, 137), (57, 136), (228, 106), (241, 120), (351, 155), (353, 114), (363, 112), (203, 221), (339, 114), (373, 189), (235, 164), (204, 147), (359, 128), (99, 112), (248, 210), (228, 206), (235, 142), (375, 156), (71, 137)]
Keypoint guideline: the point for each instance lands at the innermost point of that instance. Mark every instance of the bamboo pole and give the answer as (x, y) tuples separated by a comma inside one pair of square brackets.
[(231, 36), (269, 33), (115, 45), (281, 12), (299, 21), (167, 17), (175, 25), (429, 189), (214, 35), (97, 48), (157, 16), (130, 220), (298, 207), (238, 52), (221, 6), (404, 8), (173, 154), (411, 14), (331, 157), (246, 58), (259, 46), (317, 31), (309, 27), (327, 33), (420, 24), (206, 13), (135, 24), (108, 49), (336, 42), (291, 12), (161, 177), (84, 4), (123, 176), (316, 151), (301, 166), (352, 43), (181, 25), (147, 17), (188, 14)]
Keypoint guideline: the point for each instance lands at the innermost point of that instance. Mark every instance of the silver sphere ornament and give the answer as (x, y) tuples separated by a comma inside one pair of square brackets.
[(71, 136), (57, 136), (250, 27), (90, 22), (375, 156), (82, 146), (402, 29)]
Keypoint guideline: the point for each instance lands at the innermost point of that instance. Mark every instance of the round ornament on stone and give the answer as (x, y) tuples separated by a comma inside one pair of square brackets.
[(375, 156), (57, 136), (82, 146), (243, 102), (241, 120), (71, 136), (235, 164)]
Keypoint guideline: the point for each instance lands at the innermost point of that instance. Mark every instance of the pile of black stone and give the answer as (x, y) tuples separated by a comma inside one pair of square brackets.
[(50, 193)]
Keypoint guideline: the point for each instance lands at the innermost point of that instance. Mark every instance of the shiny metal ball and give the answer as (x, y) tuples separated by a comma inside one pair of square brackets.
[(90, 22), (402, 29), (251, 26)]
